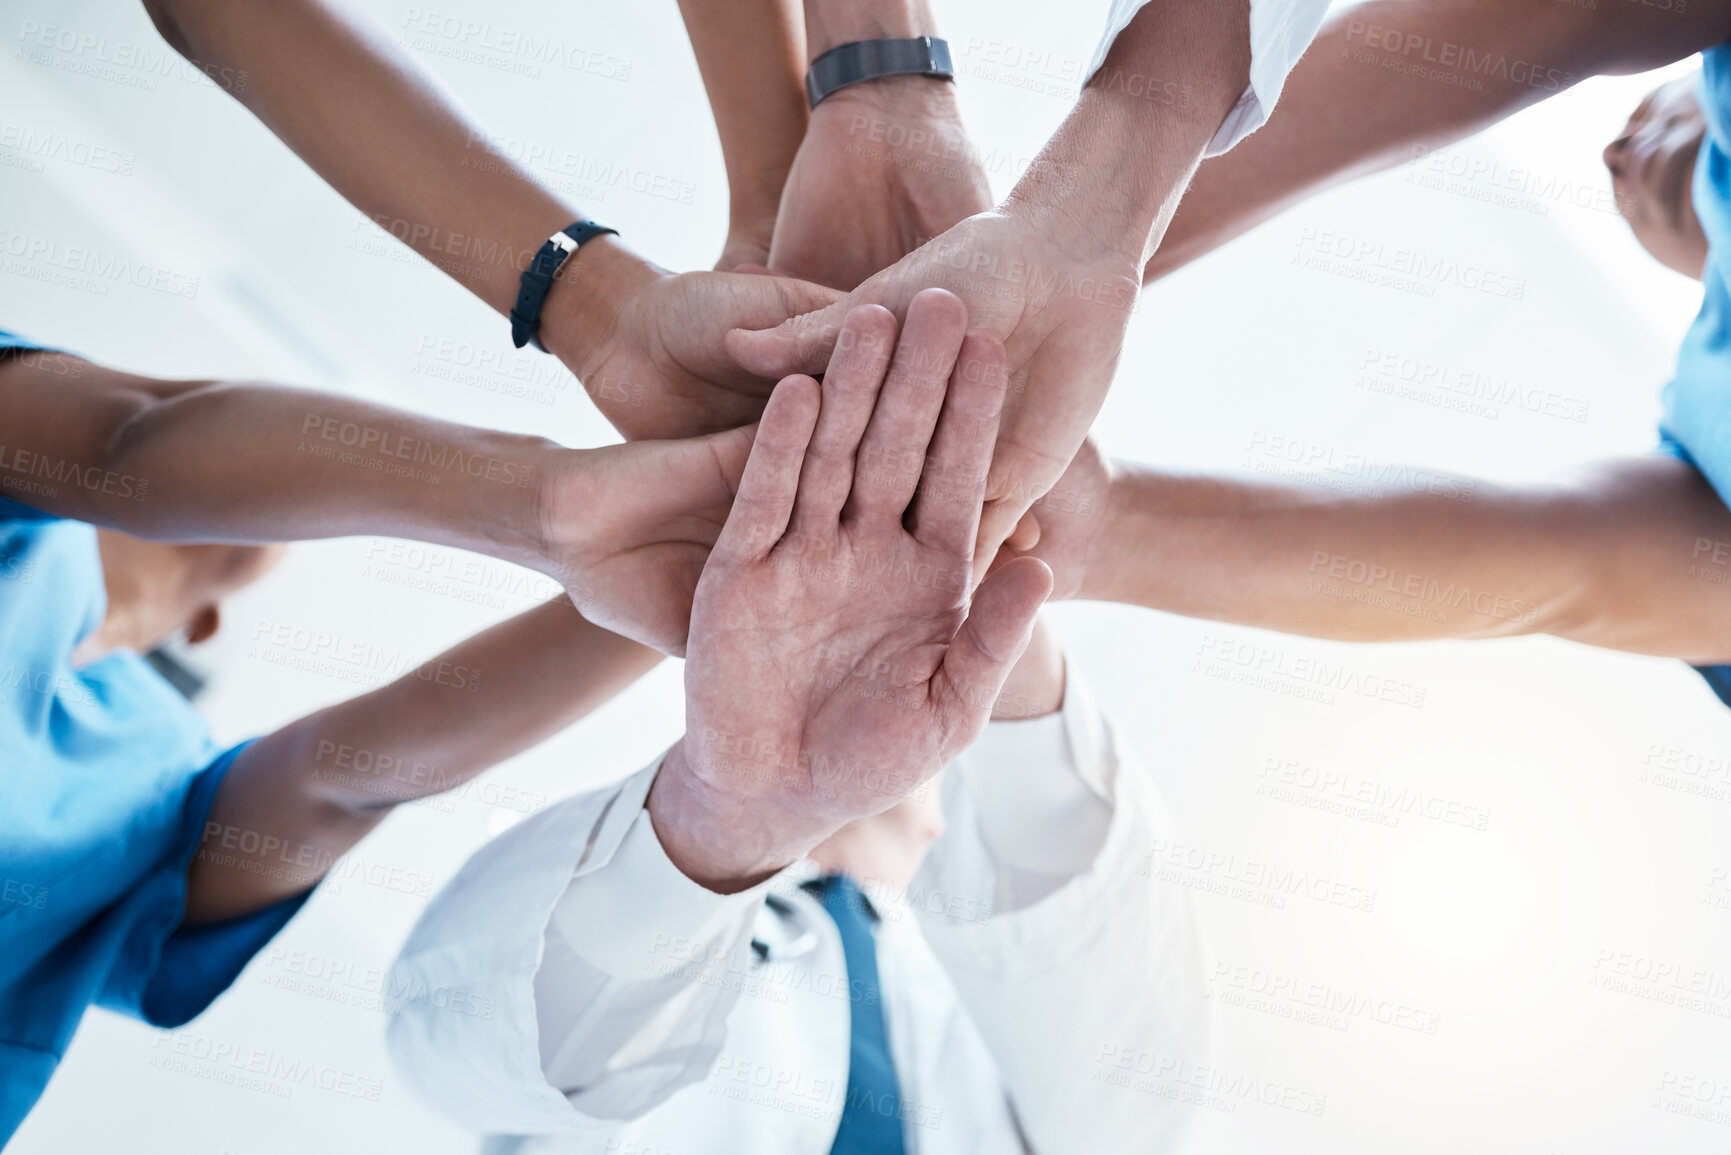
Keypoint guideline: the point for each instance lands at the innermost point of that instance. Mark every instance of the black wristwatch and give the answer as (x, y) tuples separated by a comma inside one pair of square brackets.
[(848, 64), (538, 279)]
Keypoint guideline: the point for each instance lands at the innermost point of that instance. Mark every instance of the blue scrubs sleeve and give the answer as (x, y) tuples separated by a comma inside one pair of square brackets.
[(164, 972)]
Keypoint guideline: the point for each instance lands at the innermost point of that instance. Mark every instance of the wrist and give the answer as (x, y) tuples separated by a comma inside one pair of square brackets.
[(718, 839), (1097, 190), (832, 23), (589, 296), (1104, 571)]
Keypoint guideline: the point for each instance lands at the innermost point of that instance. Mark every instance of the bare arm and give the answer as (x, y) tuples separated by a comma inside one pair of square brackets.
[(298, 799), (624, 528), (752, 57), (381, 131), (1389, 77), (1631, 554)]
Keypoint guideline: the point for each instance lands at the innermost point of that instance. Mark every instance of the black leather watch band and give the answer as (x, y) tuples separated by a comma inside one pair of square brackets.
[(848, 64), (538, 279)]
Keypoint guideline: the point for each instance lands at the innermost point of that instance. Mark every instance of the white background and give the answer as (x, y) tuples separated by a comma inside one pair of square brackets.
[(1502, 935)]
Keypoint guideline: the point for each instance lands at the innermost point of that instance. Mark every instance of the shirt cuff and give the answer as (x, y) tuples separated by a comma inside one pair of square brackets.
[(644, 907), (1280, 31), (1041, 795)]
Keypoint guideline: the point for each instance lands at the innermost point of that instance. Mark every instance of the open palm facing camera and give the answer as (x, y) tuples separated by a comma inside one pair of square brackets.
[(836, 658)]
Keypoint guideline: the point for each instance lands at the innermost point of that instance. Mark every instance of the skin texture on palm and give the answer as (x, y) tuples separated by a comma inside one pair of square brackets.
[(836, 659)]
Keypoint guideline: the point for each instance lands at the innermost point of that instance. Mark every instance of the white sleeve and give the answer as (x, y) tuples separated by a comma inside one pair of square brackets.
[(549, 987), (1280, 31), (1105, 973), (1040, 802)]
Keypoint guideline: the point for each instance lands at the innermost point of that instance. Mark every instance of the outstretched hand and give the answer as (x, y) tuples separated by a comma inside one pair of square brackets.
[(1061, 311), (648, 347), (836, 660)]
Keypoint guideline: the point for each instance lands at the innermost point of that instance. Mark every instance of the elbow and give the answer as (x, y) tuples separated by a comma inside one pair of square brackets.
[(164, 14)]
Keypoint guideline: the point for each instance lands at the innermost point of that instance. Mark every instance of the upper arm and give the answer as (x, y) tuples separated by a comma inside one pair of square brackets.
[(65, 420), (1386, 78), (1653, 553)]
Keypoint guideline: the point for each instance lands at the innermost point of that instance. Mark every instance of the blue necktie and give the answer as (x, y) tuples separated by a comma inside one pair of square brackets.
[(871, 1118)]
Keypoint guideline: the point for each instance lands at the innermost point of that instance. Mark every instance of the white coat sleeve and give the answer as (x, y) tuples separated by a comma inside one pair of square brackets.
[(570, 976), (1105, 971), (1280, 31)]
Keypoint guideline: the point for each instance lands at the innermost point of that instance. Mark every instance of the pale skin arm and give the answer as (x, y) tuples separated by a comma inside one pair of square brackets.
[(624, 528), (1630, 554), (381, 131), (310, 791), (752, 57), (1344, 114)]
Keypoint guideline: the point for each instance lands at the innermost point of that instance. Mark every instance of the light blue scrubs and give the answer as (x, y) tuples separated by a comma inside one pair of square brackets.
[(106, 777), (1697, 422)]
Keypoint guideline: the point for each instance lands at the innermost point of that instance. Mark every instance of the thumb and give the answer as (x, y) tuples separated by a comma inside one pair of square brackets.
[(732, 447), (800, 344), (1000, 622)]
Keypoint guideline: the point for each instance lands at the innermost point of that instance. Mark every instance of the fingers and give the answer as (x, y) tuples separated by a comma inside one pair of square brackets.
[(946, 512), (799, 344), (991, 640), (892, 454), (771, 478), (851, 384)]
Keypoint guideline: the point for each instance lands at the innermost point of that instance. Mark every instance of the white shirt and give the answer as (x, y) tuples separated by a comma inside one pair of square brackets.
[(571, 991), (1280, 31)]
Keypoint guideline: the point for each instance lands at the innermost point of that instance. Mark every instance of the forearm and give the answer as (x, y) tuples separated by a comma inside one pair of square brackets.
[(1387, 80), (1613, 558), (752, 56), (192, 461), (1108, 181), (316, 786), (379, 129)]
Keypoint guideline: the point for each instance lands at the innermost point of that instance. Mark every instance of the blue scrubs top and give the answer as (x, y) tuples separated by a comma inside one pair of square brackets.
[(1697, 421), (106, 777)]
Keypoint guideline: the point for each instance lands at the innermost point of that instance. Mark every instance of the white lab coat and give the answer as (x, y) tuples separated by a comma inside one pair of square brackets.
[(570, 991)]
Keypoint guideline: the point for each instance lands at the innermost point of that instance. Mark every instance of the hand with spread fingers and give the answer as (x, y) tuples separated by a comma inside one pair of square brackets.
[(836, 658)]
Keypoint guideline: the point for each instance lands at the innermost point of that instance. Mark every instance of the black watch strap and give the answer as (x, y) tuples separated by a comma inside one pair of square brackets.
[(538, 279), (848, 64)]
